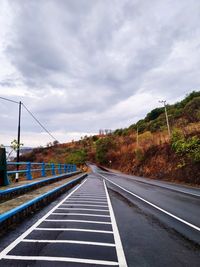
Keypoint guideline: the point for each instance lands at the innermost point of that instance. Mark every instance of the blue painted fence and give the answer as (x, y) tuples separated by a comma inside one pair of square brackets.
[(30, 167)]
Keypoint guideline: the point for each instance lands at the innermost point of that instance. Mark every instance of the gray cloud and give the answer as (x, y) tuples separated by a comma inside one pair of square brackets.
[(82, 63)]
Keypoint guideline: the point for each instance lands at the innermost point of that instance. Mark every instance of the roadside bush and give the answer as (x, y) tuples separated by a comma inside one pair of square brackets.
[(77, 157), (192, 110), (188, 147), (139, 154), (103, 146)]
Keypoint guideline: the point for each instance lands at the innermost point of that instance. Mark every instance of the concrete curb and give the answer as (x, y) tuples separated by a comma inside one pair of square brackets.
[(22, 189), (16, 214)]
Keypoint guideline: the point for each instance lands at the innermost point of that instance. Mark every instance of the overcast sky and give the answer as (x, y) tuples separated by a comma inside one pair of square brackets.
[(85, 65)]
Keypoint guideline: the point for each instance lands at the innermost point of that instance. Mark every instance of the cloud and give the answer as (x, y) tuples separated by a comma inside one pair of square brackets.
[(84, 65)]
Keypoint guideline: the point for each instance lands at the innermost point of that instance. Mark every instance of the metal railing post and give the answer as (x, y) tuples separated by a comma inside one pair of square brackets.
[(53, 169), (43, 171), (28, 171), (65, 168), (59, 168)]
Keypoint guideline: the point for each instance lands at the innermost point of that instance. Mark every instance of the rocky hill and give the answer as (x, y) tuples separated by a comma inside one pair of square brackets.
[(144, 148)]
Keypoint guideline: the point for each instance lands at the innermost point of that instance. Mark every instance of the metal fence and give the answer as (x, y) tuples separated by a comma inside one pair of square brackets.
[(29, 168)]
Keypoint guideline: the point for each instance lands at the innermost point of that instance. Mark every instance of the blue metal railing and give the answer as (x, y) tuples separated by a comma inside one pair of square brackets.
[(43, 168)]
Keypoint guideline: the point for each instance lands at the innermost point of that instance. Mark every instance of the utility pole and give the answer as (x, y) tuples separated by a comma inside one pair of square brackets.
[(137, 138), (167, 119), (18, 141)]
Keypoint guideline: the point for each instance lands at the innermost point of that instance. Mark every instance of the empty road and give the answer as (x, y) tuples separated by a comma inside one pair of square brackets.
[(110, 220)]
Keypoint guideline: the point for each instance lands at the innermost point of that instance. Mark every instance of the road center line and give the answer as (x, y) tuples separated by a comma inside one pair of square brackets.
[(153, 205), (119, 248), (165, 186)]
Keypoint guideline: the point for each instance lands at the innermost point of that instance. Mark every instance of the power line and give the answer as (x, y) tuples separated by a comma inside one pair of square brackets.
[(38, 122), (10, 100)]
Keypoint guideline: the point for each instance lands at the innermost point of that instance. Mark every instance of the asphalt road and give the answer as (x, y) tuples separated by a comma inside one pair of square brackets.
[(110, 220), (179, 208)]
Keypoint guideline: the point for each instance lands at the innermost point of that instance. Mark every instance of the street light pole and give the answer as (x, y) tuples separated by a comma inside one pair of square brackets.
[(167, 119), (18, 141)]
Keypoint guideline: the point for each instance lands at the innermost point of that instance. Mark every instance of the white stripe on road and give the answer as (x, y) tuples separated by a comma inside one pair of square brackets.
[(84, 205), (87, 195), (27, 232), (83, 209), (164, 186), (60, 259), (119, 248), (79, 221), (85, 201), (155, 206), (73, 229), (81, 214), (86, 198), (69, 242)]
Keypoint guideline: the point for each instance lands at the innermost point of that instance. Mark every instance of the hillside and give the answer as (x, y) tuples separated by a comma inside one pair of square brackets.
[(152, 154)]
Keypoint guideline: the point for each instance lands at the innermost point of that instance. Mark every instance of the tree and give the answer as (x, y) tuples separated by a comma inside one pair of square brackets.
[(102, 148), (77, 157), (154, 114), (15, 146)]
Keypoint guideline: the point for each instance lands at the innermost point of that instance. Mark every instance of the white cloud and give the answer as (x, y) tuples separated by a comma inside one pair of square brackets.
[(81, 66)]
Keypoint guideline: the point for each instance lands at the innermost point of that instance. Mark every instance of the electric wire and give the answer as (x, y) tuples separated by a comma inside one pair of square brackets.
[(31, 114), (38, 122), (10, 100)]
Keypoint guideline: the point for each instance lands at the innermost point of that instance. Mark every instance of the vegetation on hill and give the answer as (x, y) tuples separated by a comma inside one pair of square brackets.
[(151, 153)]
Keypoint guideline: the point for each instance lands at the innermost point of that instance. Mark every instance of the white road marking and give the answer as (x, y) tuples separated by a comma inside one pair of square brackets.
[(85, 205), (81, 214), (73, 229), (119, 248), (81, 221), (155, 206), (69, 242), (84, 201), (27, 232), (86, 198), (62, 259), (95, 196), (83, 209), (165, 186)]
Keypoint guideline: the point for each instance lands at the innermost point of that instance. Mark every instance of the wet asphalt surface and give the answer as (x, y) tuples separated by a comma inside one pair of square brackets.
[(149, 238), (185, 206), (147, 241)]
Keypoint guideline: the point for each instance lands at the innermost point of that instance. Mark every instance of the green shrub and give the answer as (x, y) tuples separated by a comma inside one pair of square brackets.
[(102, 148), (192, 110), (154, 114), (189, 147), (139, 154), (77, 157)]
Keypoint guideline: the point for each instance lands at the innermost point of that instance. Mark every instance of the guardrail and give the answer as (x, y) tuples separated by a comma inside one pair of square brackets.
[(43, 168)]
